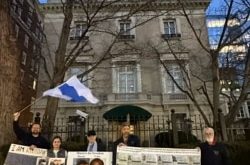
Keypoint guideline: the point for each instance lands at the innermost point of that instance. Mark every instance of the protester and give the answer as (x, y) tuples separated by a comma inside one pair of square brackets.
[(126, 139), (56, 151), (96, 161), (32, 138), (213, 152), (94, 144)]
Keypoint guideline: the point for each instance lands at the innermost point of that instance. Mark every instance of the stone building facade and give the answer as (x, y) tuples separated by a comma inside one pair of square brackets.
[(133, 78)]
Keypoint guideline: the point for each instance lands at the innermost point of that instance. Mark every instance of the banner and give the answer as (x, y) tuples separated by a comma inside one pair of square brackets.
[(24, 155), (89, 158), (157, 156)]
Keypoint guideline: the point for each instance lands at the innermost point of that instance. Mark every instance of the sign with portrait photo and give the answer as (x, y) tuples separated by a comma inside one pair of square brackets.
[(89, 158)]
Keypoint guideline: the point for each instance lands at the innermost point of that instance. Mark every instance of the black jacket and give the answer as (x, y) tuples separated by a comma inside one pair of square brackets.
[(214, 154), (61, 153), (27, 138), (100, 146), (133, 141)]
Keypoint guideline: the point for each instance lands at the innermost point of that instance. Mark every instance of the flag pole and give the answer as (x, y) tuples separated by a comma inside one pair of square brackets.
[(20, 111)]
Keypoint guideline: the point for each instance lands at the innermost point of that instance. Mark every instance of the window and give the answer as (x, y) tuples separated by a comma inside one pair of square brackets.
[(34, 48), (13, 6), (37, 32), (32, 65), (24, 58), (77, 31), (22, 74), (19, 12), (77, 70), (16, 30), (26, 40), (170, 28), (248, 107), (29, 22), (36, 67), (125, 31), (34, 84), (125, 27), (30, 12), (126, 78), (241, 113), (176, 72)]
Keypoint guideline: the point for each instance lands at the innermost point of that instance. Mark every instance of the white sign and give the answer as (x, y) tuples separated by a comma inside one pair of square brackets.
[(157, 156), (24, 155), (89, 158)]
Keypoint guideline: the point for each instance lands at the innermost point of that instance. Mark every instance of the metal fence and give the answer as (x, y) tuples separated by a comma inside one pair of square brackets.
[(158, 131)]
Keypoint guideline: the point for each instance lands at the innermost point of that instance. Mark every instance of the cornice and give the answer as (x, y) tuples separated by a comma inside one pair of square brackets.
[(123, 6)]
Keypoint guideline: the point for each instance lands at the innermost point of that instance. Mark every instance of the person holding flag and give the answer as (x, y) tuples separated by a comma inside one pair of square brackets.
[(32, 138)]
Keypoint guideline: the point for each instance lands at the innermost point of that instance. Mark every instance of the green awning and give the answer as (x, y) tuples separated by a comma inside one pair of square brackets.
[(120, 113)]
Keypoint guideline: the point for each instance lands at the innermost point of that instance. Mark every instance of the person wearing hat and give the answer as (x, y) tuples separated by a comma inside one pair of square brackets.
[(94, 144)]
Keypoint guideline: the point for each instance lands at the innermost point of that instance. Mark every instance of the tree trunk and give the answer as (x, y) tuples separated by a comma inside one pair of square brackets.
[(216, 88), (9, 75), (59, 70)]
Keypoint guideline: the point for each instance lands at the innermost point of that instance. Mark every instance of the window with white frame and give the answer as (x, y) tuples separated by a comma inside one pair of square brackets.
[(77, 70), (77, 31), (24, 58), (170, 28), (26, 40), (126, 78), (176, 72)]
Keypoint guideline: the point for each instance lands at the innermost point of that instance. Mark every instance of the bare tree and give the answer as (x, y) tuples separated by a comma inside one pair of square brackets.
[(96, 17), (229, 36)]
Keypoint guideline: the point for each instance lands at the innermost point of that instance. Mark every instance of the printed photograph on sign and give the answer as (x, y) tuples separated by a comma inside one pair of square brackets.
[(81, 161), (41, 161), (56, 161), (89, 158)]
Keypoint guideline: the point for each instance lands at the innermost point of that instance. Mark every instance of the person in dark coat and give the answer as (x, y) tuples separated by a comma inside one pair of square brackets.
[(212, 152), (126, 139), (56, 151), (94, 144), (32, 138)]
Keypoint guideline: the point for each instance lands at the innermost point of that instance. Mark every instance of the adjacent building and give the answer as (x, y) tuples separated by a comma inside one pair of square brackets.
[(28, 27)]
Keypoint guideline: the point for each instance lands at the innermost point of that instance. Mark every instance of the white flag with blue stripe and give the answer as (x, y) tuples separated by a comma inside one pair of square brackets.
[(72, 90)]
